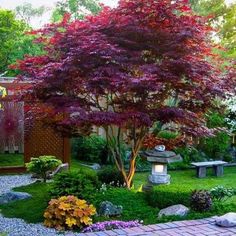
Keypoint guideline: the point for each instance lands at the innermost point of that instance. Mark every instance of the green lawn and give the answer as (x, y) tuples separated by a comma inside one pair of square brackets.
[(134, 203), (188, 179), (31, 209), (11, 160)]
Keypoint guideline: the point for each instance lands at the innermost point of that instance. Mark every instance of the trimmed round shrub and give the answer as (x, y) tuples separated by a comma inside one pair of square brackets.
[(42, 165), (110, 175), (80, 184), (201, 200), (165, 196)]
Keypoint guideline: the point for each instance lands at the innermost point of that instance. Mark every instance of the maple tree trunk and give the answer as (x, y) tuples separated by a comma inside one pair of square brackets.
[(119, 160)]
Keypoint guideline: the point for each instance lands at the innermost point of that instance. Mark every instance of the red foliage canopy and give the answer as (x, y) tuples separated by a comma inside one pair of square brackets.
[(122, 67)]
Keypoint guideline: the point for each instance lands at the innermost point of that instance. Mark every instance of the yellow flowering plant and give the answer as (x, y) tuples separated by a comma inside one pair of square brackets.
[(68, 212)]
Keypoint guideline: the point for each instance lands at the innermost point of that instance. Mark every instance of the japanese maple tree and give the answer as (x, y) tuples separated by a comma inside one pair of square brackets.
[(117, 70)]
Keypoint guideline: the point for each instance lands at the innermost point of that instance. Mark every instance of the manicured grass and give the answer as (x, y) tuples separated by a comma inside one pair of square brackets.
[(134, 205), (11, 160), (31, 210), (188, 179), (75, 165)]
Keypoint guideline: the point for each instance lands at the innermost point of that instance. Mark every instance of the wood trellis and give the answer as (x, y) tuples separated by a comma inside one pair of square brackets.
[(41, 140)]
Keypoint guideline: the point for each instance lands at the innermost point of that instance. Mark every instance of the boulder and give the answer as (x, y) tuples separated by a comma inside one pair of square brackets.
[(13, 196), (175, 210), (108, 209), (227, 220)]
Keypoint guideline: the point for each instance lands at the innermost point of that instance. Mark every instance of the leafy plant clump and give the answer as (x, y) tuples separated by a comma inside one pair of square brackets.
[(42, 165), (68, 212), (221, 194), (80, 184), (201, 200), (110, 225)]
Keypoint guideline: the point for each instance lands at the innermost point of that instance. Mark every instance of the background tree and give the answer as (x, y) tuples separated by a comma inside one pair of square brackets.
[(223, 18), (10, 29), (27, 12), (117, 70), (14, 42), (76, 8)]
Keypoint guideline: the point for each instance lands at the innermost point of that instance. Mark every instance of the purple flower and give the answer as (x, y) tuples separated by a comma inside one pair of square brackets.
[(109, 225)]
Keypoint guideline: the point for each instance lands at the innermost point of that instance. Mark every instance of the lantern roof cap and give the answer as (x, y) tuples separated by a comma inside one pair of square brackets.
[(161, 157)]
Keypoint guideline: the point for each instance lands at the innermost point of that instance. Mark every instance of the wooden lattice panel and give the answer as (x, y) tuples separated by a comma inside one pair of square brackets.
[(45, 141)]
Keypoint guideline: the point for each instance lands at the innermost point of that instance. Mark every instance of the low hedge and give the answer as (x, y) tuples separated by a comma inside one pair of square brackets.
[(168, 195)]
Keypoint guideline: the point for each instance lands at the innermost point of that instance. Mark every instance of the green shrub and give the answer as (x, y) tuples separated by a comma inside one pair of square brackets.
[(165, 134), (216, 147), (220, 193), (178, 166), (164, 196), (42, 165), (80, 184), (227, 157), (190, 154), (90, 149), (201, 200), (110, 175)]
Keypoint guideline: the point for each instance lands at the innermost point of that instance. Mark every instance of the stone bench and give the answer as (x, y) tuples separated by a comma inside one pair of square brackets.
[(201, 167)]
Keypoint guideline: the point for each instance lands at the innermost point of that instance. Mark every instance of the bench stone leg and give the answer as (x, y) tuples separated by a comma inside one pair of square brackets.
[(201, 172), (218, 170)]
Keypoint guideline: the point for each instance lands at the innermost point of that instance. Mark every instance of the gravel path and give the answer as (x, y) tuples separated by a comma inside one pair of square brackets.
[(8, 182), (18, 227)]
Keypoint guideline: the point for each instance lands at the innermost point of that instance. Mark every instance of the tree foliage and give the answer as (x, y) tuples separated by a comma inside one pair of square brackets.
[(76, 8), (10, 28), (117, 70), (15, 44), (26, 12), (223, 18)]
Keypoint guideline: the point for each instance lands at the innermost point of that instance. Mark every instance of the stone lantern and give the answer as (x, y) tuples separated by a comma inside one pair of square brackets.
[(159, 161)]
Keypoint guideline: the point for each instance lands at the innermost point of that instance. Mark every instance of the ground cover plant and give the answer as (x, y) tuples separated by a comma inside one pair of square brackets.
[(143, 57)]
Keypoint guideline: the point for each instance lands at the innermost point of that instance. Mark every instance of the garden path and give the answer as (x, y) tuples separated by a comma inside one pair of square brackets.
[(203, 227)]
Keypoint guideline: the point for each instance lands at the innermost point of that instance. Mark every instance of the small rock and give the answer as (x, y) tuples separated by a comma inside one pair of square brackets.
[(175, 210), (227, 220), (108, 209), (96, 166), (59, 169), (13, 196)]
